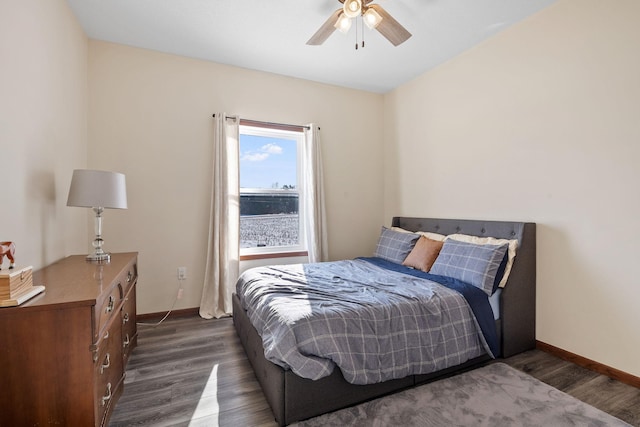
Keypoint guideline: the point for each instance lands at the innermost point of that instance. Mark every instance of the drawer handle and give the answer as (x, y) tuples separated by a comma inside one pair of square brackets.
[(107, 396), (106, 364), (110, 305), (106, 335), (125, 319), (129, 276), (126, 341)]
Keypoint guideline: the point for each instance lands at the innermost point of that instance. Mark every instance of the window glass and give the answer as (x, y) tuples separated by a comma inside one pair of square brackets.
[(270, 196)]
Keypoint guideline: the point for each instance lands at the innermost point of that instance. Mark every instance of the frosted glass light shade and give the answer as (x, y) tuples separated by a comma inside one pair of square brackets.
[(372, 18), (93, 188), (352, 8), (343, 24)]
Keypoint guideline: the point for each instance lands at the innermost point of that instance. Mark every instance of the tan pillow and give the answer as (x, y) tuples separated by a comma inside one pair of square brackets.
[(423, 254)]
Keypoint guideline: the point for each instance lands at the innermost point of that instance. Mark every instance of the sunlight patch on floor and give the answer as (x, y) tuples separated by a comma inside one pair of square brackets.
[(208, 403)]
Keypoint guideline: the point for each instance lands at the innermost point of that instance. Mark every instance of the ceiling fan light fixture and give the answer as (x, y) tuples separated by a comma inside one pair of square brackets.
[(343, 24), (352, 8), (371, 18), (374, 16)]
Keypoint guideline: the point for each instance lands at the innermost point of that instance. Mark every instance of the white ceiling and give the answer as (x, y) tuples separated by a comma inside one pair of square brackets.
[(271, 35)]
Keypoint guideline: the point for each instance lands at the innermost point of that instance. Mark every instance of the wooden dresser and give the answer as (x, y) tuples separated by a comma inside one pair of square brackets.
[(63, 353)]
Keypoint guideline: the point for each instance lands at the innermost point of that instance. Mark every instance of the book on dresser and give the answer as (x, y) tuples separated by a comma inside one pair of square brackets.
[(63, 353)]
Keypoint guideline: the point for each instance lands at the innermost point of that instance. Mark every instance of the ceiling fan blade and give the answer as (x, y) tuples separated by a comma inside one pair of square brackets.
[(325, 30), (390, 28)]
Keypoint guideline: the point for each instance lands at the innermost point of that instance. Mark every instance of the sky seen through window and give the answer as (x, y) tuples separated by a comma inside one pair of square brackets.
[(267, 162)]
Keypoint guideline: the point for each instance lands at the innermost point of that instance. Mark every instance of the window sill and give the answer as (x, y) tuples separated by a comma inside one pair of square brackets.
[(272, 255)]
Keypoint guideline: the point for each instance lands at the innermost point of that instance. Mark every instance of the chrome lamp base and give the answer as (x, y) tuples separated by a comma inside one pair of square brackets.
[(98, 254), (103, 257)]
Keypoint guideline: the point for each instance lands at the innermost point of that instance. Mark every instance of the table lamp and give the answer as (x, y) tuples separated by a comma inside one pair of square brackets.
[(98, 190)]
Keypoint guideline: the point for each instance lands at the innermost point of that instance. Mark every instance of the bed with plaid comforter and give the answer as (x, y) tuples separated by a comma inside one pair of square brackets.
[(372, 322)]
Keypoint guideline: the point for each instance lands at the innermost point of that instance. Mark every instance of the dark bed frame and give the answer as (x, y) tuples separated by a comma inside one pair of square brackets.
[(293, 398)]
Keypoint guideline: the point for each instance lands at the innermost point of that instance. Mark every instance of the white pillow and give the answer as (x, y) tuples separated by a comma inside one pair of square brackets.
[(433, 236), (513, 245)]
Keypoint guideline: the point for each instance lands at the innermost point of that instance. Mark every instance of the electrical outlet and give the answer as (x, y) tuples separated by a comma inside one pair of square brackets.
[(182, 273), (180, 293)]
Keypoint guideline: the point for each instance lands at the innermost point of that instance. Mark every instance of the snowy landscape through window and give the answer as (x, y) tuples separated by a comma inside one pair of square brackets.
[(270, 190)]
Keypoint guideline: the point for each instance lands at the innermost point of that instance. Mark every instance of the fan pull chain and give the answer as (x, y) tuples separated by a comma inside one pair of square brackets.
[(362, 31)]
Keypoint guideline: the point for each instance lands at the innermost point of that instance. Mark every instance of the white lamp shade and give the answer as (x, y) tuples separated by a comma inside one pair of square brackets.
[(93, 188)]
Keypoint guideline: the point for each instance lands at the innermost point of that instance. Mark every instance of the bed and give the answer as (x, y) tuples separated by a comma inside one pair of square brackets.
[(293, 398)]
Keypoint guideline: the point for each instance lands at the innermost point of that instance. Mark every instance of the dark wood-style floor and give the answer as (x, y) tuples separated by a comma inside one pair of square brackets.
[(193, 372)]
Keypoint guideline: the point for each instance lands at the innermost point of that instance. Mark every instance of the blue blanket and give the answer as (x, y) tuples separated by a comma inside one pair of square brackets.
[(476, 298), (373, 322)]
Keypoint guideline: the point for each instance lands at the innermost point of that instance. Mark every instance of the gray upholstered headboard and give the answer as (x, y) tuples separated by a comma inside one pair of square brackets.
[(517, 324)]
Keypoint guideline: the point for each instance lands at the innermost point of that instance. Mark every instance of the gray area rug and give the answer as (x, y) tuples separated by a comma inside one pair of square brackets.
[(494, 395)]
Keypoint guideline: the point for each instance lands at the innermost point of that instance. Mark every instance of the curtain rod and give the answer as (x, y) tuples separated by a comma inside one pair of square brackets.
[(272, 124)]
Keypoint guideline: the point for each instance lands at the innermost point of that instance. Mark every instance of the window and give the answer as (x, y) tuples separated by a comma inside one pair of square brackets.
[(271, 217)]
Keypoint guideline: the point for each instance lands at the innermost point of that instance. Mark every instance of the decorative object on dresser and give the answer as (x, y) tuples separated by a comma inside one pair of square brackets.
[(16, 286), (64, 352), (98, 190), (7, 249)]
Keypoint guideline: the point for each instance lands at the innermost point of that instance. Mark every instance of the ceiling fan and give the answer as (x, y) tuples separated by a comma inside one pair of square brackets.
[(373, 15)]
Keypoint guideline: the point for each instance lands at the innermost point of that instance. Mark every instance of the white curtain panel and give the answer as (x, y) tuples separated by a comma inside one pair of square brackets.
[(316, 224), (223, 249)]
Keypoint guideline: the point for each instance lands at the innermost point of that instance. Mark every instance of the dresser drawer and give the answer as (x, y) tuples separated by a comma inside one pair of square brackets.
[(129, 328), (108, 368), (106, 308), (128, 277)]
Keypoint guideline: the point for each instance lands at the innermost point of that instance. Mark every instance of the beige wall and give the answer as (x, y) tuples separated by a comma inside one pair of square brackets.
[(540, 123), (43, 128), (150, 118)]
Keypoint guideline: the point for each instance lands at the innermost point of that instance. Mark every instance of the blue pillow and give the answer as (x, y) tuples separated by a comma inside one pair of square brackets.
[(394, 246), (469, 262), (500, 272)]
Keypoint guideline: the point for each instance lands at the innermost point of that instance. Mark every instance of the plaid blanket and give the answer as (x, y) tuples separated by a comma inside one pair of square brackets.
[(373, 323)]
